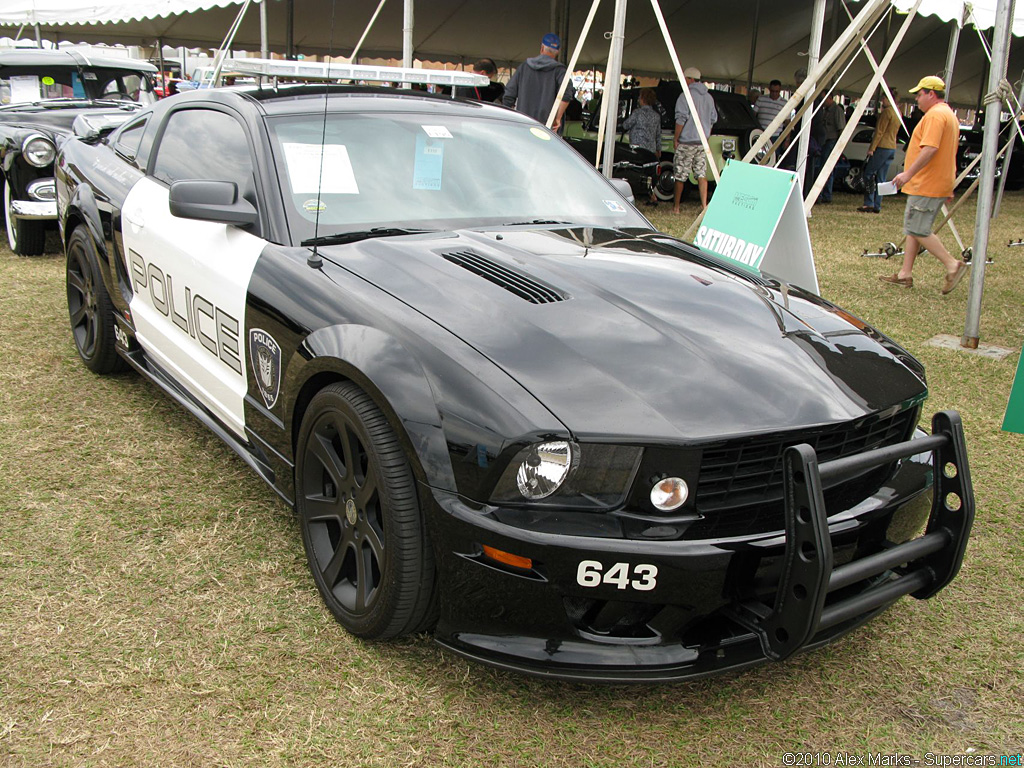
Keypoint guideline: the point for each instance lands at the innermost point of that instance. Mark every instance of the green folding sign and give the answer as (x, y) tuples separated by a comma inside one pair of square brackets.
[(756, 219), (1014, 419)]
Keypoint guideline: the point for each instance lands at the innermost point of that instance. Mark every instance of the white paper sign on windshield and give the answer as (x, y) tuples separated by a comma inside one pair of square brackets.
[(25, 88), (314, 168)]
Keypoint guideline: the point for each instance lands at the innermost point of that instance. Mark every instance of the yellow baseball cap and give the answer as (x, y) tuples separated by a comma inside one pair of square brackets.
[(930, 83)]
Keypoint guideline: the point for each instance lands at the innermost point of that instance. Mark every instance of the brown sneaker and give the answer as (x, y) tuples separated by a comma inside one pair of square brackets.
[(952, 281), (903, 282)]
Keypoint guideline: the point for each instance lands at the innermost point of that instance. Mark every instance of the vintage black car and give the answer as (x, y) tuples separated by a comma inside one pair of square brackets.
[(42, 92), (504, 408)]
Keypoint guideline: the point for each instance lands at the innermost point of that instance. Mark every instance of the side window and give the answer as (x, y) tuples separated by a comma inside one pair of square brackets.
[(128, 139), (205, 144)]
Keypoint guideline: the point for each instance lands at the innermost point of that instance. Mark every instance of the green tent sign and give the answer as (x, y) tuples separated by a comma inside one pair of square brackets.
[(1014, 419), (756, 219)]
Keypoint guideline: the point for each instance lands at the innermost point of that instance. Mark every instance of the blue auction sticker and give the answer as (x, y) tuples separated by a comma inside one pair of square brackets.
[(427, 172)]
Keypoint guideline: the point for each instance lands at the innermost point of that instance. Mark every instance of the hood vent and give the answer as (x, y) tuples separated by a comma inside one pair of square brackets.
[(513, 281)]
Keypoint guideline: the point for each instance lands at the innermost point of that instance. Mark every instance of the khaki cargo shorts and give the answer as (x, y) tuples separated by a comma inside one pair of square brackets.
[(919, 216)]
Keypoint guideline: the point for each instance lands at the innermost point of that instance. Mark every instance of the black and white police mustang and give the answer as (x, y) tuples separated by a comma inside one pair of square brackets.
[(504, 407)]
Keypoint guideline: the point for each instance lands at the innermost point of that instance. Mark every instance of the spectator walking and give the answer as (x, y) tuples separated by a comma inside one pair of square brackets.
[(928, 181), (535, 83), (644, 126), (880, 154), (493, 92), (689, 157), (833, 122)]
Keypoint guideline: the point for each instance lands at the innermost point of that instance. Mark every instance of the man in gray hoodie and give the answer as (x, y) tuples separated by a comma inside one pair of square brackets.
[(534, 86), (689, 157)]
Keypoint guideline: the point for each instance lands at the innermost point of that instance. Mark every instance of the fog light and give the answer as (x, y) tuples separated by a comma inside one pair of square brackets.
[(669, 494)]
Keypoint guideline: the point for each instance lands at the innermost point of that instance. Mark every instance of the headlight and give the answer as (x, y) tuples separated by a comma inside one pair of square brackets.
[(38, 151), (544, 469), (563, 473)]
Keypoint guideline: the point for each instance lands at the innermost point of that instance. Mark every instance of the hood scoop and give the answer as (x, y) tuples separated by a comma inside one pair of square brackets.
[(525, 287)]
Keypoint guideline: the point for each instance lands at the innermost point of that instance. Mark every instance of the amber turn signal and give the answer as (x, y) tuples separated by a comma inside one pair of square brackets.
[(507, 558)]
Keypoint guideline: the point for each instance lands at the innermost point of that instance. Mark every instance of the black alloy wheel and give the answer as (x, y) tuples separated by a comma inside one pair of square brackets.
[(25, 236), (89, 307), (362, 527), (665, 182)]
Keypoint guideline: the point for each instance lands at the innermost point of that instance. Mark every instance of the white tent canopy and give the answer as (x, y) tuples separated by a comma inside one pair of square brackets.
[(716, 37)]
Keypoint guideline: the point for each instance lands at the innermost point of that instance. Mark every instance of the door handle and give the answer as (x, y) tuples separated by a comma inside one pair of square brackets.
[(136, 218)]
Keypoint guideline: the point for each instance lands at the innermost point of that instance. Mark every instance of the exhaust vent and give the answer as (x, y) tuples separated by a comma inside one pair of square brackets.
[(528, 288)]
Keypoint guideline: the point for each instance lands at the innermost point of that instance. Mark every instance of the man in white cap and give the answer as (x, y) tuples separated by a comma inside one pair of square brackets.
[(689, 157), (928, 178)]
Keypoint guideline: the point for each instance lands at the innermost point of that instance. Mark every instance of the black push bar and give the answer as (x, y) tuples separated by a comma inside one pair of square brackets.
[(920, 567)]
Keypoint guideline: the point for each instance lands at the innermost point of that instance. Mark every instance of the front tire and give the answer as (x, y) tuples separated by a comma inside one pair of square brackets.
[(362, 527), (664, 182), (89, 307), (25, 236)]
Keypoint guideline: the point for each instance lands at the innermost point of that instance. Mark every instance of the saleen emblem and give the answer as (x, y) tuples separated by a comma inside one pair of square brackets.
[(265, 354)]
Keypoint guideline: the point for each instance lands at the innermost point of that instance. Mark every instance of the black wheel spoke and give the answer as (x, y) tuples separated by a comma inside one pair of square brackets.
[(350, 452), (366, 492), (333, 568), (75, 281), (319, 508), (78, 315), (364, 571), (373, 540), (323, 450)]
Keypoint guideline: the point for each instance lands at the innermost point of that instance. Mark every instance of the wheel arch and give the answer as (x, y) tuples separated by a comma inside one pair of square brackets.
[(392, 377)]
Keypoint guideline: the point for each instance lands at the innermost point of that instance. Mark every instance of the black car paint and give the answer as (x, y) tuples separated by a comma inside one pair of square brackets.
[(465, 390)]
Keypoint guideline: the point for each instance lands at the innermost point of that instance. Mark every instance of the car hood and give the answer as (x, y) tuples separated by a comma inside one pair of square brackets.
[(53, 117), (621, 336)]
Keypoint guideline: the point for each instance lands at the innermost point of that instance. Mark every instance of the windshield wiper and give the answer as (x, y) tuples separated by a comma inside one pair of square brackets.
[(364, 234), (535, 221)]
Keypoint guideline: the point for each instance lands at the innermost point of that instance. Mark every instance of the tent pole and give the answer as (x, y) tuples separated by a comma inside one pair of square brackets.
[(954, 43), (852, 123), (355, 51), (989, 147), (289, 50), (264, 37), (1015, 111), (407, 29), (753, 45), (686, 90), (572, 65), (160, 59), (39, 36), (611, 88), (871, 12), (813, 54)]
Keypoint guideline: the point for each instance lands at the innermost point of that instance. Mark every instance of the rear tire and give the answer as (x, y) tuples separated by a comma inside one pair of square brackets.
[(89, 307), (365, 537), (25, 236)]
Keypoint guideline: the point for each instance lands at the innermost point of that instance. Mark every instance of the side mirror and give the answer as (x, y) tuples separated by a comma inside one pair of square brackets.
[(211, 201), (623, 188)]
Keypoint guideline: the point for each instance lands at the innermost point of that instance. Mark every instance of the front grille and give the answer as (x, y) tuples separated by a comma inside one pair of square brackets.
[(740, 489)]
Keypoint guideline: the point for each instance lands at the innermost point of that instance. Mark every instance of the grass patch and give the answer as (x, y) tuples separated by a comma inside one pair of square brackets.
[(157, 610)]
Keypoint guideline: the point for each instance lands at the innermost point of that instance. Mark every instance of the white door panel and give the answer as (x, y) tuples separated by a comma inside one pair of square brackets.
[(189, 280)]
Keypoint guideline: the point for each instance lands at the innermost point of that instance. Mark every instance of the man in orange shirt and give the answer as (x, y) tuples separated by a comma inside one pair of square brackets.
[(927, 180)]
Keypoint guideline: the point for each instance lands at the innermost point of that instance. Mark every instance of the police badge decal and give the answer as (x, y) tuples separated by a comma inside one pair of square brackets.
[(265, 355)]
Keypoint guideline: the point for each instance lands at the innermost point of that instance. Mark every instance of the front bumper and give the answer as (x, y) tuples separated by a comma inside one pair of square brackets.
[(31, 209), (718, 605)]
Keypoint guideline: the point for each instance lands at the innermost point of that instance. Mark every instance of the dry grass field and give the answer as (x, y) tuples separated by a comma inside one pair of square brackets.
[(156, 609)]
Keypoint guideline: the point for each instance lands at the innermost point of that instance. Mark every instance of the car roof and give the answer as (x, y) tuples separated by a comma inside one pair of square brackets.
[(304, 98), (33, 57)]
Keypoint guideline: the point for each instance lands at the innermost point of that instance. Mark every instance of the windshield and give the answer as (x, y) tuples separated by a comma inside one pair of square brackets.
[(435, 172), (20, 85)]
